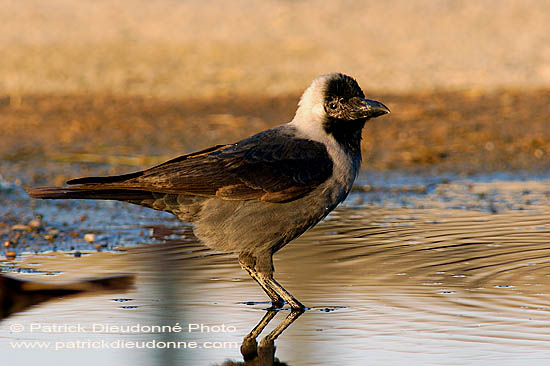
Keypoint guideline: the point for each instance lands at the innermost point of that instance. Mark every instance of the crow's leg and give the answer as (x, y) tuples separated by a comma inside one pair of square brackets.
[(264, 268), (248, 263)]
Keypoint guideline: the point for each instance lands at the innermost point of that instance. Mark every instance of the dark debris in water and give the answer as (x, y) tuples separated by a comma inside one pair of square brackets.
[(252, 303), (329, 309)]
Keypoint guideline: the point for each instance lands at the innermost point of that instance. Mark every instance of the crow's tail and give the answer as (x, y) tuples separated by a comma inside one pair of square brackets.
[(88, 193)]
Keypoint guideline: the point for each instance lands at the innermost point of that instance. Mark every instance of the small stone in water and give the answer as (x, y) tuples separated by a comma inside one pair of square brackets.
[(10, 255), (35, 224), (21, 227), (89, 238)]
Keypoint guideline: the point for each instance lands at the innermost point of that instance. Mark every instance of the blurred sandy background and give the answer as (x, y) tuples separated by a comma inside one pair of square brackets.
[(466, 81), (198, 48)]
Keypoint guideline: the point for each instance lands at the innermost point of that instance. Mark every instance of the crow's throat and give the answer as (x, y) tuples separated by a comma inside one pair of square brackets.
[(346, 133)]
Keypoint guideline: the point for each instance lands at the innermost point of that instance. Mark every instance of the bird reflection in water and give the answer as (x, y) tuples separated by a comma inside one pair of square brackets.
[(264, 353)]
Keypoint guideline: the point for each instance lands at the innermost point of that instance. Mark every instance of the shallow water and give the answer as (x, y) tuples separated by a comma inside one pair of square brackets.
[(425, 271)]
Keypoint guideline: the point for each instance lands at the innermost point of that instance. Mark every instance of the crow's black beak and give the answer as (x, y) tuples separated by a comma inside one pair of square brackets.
[(373, 108)]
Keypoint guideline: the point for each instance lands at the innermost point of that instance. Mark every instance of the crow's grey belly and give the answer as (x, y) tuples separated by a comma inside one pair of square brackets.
[(254, 226)]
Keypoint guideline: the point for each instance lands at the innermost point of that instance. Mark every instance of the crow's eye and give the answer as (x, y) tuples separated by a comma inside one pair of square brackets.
[(333, 105)]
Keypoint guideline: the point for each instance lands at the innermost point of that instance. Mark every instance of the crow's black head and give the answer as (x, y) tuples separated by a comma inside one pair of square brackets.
[(345, 100), (347, 110)]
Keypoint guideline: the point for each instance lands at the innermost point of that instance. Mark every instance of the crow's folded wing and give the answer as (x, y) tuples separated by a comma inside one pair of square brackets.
[(269, 167)]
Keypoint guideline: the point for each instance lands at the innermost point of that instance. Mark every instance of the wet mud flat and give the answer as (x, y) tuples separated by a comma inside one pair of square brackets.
[(426, 270)]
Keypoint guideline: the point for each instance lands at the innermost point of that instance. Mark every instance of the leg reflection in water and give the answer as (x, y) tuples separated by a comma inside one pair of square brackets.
[(264, 353)]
